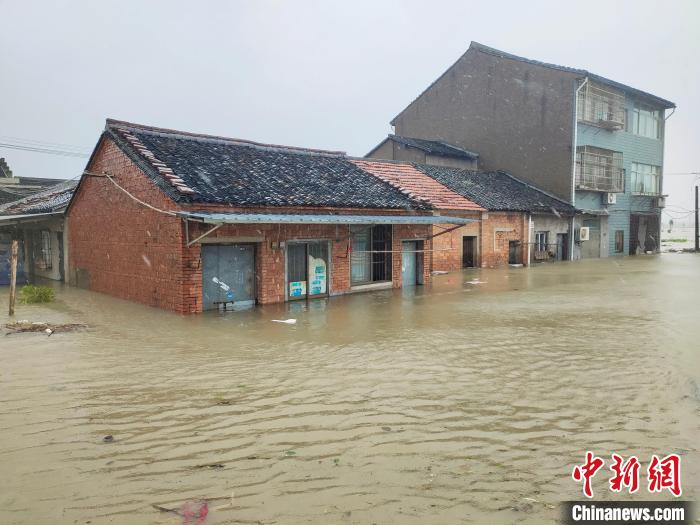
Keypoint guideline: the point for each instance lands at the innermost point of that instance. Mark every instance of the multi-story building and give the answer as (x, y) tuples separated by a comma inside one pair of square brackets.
[(594, 142)]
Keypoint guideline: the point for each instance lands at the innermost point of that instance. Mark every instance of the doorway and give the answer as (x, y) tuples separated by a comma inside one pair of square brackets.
[(307, 270), (468, 252), (228, 275), (562, 246), (514, 252), (409, 263)]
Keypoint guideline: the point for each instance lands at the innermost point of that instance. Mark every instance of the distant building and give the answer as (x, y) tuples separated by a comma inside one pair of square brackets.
[(37, 223), (589, 140), (13, 188), (424, 152)]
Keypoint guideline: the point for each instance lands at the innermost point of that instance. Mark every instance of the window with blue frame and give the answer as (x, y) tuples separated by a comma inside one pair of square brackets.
[(646, 121), (646, 179)]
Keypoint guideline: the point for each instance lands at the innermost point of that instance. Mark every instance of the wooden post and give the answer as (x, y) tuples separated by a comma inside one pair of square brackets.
[(13, 275)]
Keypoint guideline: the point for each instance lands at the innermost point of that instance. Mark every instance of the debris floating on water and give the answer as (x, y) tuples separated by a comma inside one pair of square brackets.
[(285, 321), (475, 281), (108, 439), (47, 328)]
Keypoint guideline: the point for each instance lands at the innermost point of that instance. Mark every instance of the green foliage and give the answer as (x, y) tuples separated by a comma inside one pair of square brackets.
[(31, 294)]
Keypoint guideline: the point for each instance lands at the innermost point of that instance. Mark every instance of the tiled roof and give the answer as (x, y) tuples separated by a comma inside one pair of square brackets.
[(417, 184), (435, 147), (52, 199), (206, 169), (497, 190)]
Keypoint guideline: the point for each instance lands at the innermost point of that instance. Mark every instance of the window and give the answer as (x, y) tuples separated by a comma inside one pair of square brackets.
[(44, 261), (619, 241), (599, 169), (371, 254), (541, 241), (646, 122), (646, 179)]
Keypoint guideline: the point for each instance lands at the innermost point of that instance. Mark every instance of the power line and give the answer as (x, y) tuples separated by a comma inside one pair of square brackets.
[(40, 143), (40, 149)]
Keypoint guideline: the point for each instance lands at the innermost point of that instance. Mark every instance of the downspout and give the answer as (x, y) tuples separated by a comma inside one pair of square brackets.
[(529, 237), (661, 182), (572, 228)]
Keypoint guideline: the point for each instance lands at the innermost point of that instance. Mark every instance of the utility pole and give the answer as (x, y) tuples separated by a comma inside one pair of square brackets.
[(697, 223), (13, 275)]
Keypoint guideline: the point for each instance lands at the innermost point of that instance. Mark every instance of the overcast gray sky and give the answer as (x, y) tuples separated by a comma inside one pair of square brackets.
[(324, 74)]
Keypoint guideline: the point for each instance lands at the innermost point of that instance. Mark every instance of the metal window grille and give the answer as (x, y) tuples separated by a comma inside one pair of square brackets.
[(601, 106), (44, 261), (599, 169)]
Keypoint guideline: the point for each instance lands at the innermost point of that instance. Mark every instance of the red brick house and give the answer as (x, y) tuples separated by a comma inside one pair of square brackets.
[(509, 215), (191, 222)]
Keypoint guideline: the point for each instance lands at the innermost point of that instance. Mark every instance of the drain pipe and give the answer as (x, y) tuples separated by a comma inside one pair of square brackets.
[(529, 237), (572, 228)]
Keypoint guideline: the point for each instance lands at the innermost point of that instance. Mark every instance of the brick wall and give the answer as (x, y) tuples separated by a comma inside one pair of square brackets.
[(122, 248), (493, 225), (119, 247)]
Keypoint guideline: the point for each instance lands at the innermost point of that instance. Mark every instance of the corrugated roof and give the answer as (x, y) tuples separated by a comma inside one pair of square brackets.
[(497, 190), (207, 169), (293, 218), (417, 184)]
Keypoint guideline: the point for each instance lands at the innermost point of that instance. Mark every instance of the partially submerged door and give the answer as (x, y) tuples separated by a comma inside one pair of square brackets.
[(514, 252), (228, 275), (468, 252), (590, 249), (562, 246), (307, 269), (408, 263)]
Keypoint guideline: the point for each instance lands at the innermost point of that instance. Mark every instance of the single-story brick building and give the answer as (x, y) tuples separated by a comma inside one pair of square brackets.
[(523, 224), (190, 222), (514, 222)]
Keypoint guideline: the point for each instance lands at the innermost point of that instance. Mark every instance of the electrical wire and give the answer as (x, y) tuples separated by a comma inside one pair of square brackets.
[(39, 149), (136, 199)]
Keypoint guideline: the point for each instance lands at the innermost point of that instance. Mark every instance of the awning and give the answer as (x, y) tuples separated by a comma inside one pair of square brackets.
[(293, 218)]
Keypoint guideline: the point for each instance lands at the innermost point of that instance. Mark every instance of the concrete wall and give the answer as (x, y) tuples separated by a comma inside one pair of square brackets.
[(517, 116)]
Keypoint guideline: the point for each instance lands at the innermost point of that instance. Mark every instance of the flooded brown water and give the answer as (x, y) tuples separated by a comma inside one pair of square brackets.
[(458, 403)]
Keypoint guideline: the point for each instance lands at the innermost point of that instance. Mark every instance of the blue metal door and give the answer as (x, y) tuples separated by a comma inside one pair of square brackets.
[(228, 275), (408, 263)]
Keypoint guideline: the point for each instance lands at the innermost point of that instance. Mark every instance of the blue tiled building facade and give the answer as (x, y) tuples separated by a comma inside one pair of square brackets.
[(619, 166)]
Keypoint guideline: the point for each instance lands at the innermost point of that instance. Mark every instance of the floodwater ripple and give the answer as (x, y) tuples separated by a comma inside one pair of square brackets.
[(453, 404)]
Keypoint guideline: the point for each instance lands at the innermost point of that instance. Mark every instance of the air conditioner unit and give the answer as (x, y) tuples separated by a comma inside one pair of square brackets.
[(584, 233), (660, 202), (611, 198)]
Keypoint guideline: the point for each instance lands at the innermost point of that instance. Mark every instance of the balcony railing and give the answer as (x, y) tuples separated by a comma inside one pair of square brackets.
[(599, 170), (601, 106)]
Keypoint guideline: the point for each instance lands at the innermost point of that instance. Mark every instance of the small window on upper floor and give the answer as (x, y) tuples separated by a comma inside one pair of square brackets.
[(646, 121)]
